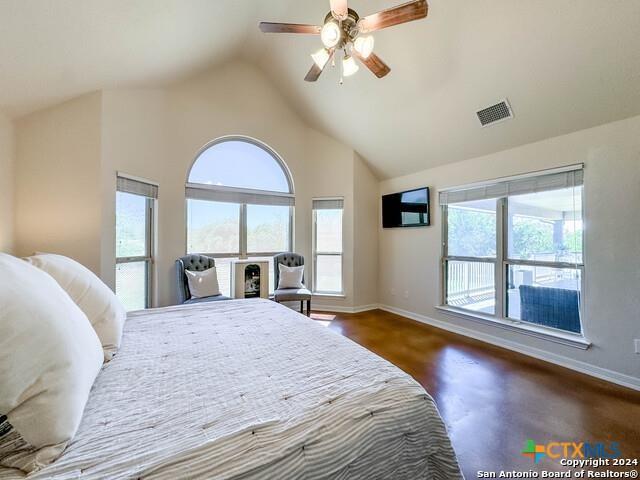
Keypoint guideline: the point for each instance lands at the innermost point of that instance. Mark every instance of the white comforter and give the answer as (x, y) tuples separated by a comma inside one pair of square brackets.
[(249, 389)]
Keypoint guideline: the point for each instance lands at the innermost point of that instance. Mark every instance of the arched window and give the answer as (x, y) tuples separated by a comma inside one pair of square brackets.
[(240, 203), (240, 163)]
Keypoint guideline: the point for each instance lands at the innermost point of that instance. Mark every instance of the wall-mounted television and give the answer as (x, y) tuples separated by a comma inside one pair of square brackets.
[(406, 209)]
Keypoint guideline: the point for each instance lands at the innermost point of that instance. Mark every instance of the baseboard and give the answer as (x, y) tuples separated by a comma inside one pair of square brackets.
[(343, 309), (582, 367)]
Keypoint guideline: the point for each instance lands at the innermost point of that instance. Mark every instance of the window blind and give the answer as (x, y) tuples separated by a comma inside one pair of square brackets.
[(235, 195), (328, 204), (516, 186), (136, 187)]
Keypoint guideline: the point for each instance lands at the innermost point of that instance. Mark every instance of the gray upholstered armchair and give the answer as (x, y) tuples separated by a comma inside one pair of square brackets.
[(290, 294), (194, 263)]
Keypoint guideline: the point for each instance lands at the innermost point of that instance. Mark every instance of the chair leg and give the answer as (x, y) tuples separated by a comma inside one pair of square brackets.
[(301, 306), (308, 308)]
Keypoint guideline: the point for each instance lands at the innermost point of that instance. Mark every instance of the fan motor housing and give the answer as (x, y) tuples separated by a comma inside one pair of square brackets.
[(348, 25)]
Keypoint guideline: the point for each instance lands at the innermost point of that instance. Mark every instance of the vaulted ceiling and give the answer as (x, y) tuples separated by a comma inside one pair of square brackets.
[(564, 65)]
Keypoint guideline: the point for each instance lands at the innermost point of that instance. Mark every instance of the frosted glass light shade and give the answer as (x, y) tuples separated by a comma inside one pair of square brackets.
[(330, 34), (349, 66), (364, 46)]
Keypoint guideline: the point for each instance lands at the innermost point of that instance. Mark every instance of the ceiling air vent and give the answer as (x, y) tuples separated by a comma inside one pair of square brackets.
[(497, 113)]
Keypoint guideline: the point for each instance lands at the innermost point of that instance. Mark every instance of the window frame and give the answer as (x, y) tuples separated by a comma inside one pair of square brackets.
[(149, 257), (502, 263), (241, 197), (445, 258), (226, 188), (315, 253), (507, 261), (242, 252)]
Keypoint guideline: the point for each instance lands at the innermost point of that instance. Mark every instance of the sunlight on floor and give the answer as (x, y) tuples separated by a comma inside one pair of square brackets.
[(323, 319)]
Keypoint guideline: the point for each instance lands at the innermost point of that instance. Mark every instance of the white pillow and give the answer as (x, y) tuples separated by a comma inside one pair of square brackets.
[(49, 359), (203, 284), (95, 299), (290, 277)]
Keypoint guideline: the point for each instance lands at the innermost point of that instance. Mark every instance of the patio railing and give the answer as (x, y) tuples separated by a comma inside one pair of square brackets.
[(466, 279)]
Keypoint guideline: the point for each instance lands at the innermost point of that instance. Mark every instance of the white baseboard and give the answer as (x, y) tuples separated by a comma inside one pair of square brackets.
[(577, 365), (342, 309)]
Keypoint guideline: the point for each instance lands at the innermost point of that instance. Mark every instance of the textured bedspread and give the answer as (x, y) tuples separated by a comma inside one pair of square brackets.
[(249, 389)]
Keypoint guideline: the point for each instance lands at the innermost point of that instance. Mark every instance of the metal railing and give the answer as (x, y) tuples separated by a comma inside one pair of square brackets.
[(467, 279)]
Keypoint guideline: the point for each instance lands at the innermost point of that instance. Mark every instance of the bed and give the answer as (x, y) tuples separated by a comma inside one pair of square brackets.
[(249, 389)]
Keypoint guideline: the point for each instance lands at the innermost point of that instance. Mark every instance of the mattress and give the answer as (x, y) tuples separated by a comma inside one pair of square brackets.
[(249, 389)]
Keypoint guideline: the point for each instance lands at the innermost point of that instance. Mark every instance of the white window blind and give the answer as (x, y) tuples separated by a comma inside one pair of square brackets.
[(328, 204), (136, 187), (515, 186), (237, 195), (327, 245)]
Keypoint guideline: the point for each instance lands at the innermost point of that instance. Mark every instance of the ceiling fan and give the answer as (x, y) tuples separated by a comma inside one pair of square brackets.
[(344, 30)]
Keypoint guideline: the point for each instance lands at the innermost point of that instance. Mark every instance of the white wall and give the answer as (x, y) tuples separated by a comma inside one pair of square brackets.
[(365, 221), (330, 174), (7, 155), (155, 134), (57, 197), (409, 258), (135, 141)]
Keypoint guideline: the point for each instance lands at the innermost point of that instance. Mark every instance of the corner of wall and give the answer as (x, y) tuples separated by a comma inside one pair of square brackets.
[(366, 222), (7, 184), (57, 199)]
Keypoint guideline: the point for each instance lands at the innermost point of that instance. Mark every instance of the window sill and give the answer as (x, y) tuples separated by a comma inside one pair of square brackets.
[(329, 295), (568, 339)]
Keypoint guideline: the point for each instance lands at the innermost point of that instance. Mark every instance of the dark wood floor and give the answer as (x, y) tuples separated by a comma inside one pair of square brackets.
[(492, 399)]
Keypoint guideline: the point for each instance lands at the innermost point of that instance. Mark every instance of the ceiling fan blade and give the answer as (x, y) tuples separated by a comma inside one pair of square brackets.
[(314, 73), (339, 9), (404, 13), (374, 63), (269, 27)]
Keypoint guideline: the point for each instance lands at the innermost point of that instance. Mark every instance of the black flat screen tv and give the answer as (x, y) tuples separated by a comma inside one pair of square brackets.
[(406, 209)]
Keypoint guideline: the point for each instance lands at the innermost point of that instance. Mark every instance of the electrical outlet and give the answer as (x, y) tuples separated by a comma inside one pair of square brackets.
[(637, 344), (406, 294)]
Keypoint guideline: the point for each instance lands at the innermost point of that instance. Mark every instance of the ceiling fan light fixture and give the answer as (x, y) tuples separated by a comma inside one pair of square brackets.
[(364, 46), (344, 32), (321, 57), (330, 34), (349, 66)]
